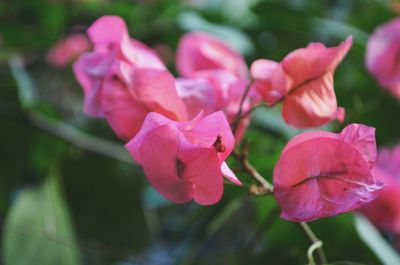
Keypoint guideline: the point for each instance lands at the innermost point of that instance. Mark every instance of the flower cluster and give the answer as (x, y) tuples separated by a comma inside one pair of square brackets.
[(182, 129)]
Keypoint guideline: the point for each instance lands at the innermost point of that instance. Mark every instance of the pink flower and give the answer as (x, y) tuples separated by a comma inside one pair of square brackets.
[(384, 212), (184, 161), (303, 80), (67, 50), (383, 56), (321, 174), (214, 90), (112, 43), (199, 51), (130, 93), (198, 95)]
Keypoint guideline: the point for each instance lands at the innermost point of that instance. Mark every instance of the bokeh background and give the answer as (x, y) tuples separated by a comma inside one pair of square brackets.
[(70, 193)]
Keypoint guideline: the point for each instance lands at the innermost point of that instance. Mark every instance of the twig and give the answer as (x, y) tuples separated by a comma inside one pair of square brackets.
[(244, 115), (313, 238), (266, 188), (240, 110), (80, 139)]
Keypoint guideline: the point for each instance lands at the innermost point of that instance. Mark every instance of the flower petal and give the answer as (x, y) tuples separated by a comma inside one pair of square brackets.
[(382, 56), (156, 89), (197, 94), (199, 51), (321, 177), (90, 70), (202, 167), (312, 104), (159, 154), (362, 137), (206, 131), (270, 80), (229, 174), (124, 113), (152, 121), (308, 63)]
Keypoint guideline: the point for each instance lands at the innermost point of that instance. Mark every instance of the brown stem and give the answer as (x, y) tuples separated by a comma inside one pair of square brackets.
[(313, 239), (244, 115), (265, 187), (239, 113)]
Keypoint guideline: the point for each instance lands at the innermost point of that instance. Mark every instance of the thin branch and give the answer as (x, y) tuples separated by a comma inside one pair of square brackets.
[(240, 110), (80, 139), (247, 113), (313, 239), (265, 187)]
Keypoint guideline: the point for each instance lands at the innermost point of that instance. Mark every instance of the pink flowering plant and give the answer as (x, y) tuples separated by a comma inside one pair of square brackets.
[(227, 146), (181, 130)]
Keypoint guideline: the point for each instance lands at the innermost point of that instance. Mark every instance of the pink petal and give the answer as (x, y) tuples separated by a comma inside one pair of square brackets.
[(384, 212), (363, 139), (229, 174), (322, 177), (197, 94), (340, 114), (90, 70), (389, 159), (221, 81), (159, 154), (203, 169), (311, 104), (156, 89), (68, 49), (382, 56), (270, 80), (143, 56), (152, 121), (205, 132), (200, 51), (308, 63), (108, 31), (124, 113), (308, 136)]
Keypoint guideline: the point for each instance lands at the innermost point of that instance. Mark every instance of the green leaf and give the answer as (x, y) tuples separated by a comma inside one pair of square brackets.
[(38, 228), (376, 242)]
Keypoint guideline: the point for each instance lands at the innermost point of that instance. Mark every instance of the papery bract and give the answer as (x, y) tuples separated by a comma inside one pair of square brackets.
[(303, 80), (226, 91), (383, 55), (112, 43), (321, 174), (184, 161), (198, 95), (130, 93), (198, 51), (384, 212), (67, 50)]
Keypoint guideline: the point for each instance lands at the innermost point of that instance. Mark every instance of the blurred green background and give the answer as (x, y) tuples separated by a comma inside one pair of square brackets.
[(69, 193)]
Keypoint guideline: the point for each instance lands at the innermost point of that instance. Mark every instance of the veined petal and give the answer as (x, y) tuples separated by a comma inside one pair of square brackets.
[(312, 104), (308, 63), (320, 175)]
